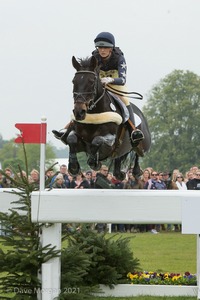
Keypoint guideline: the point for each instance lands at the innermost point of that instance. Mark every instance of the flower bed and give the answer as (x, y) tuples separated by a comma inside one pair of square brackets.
[(155, 278), (154, 284)]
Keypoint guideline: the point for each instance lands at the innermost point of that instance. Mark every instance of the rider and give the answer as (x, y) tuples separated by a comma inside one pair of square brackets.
[(113, 72)]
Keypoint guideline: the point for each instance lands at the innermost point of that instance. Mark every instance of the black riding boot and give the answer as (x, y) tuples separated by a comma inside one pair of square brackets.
[(58, 134), (136, 135)]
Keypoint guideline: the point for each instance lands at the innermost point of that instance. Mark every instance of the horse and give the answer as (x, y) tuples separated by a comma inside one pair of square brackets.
[(99, 124)]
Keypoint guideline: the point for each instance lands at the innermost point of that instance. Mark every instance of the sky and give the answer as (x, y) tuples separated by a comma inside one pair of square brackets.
[(39, 37)]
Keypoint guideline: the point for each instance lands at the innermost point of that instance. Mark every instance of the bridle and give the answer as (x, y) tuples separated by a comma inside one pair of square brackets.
[(79, 97)]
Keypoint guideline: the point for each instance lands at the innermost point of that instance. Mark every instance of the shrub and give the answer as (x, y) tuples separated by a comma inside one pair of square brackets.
[(92, 259)]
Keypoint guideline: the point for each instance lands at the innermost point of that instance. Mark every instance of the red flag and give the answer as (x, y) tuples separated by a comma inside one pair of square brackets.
[(31, 133)]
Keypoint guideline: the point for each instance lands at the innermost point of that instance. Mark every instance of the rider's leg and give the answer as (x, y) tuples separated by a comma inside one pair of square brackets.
[(135, 134), (59, 134)]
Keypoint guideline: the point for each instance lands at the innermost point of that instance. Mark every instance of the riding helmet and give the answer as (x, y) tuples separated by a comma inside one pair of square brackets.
[(105, 39)]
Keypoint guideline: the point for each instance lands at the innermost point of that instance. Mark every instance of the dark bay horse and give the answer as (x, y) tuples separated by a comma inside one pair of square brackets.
[(99, 128)]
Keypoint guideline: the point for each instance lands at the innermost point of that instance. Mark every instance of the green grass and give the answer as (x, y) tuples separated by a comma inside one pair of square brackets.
[(165, 252)]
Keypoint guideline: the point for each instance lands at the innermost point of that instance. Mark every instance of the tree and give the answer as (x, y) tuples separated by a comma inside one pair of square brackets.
[(1, 141), (173, 114), (12, 155)]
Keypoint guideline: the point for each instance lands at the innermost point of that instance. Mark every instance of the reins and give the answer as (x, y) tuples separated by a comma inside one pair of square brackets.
[(95, 102), (123, 93)]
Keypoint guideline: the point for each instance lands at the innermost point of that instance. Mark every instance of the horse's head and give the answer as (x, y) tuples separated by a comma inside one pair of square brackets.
[(86, 84)]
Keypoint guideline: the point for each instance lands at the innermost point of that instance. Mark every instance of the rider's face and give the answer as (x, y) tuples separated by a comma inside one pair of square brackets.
[(105, 52)]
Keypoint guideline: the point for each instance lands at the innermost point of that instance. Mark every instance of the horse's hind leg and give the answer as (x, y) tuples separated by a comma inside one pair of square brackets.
[(136, 169), (120, 175), (73, 165)]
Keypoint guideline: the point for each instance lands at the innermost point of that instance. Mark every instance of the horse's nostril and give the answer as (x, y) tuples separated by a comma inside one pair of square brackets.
[(79, 115), (82, 113)]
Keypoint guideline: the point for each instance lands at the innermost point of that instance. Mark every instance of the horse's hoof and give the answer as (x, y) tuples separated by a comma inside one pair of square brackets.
[(98, 166), (120, 176), (94, 165), (74, 169), (137, 172)]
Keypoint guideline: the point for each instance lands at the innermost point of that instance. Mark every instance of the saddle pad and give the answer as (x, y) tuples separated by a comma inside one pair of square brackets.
[(101, 118)]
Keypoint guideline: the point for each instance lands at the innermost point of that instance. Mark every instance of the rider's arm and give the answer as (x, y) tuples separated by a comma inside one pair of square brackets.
[(122, 69)]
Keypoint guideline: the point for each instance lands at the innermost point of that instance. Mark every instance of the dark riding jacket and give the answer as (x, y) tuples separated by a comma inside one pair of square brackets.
[(114, 67)]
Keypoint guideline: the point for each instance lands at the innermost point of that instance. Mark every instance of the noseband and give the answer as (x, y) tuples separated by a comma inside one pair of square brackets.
[(80, 97)]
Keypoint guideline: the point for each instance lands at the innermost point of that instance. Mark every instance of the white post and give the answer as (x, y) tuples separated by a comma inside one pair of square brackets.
[(198, 264), (42, 156), (51, 270)]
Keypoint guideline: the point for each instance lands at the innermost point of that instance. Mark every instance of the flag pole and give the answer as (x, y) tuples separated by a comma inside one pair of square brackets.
[(42, 153), (42, 183)]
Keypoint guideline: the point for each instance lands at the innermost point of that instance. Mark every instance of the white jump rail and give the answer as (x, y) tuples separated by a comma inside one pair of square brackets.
[(108, 206)]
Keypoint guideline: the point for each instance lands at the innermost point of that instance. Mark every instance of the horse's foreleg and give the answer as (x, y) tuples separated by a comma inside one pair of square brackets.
[(73, 165), (93, 160), (107, 141)]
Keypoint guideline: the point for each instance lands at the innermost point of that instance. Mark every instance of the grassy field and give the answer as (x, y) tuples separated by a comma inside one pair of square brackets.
[(164, 252)]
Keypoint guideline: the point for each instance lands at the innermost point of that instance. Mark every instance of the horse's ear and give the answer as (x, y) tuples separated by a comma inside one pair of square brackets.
[(75, 63), (93, 63)]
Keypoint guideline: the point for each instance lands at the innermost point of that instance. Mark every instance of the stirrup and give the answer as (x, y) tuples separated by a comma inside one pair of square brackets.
[(136, 136)]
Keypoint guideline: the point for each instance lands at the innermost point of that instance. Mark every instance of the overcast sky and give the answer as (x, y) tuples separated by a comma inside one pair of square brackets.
[(39, 37)]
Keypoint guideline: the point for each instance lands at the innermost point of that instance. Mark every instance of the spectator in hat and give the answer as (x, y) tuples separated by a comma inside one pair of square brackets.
[(88, 177), (170, 184)]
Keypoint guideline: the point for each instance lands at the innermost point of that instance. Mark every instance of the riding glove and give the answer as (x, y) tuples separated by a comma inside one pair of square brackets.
[(106, 80)]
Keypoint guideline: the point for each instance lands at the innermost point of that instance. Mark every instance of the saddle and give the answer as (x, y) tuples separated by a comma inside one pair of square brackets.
[(124, 111), (114, 99)]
